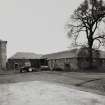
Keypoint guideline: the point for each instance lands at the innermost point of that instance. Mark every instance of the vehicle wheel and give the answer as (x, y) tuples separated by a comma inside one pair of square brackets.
[(30, 70)]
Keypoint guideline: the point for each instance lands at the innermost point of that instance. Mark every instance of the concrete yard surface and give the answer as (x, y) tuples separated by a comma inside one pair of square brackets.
[(46, 93)]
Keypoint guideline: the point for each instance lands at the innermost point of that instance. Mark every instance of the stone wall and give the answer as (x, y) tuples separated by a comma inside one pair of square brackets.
[(66, 64), (76, 64), (11, 63), (21, 62)]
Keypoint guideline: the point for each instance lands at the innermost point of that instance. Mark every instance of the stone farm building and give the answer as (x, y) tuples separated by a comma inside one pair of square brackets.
[(70, 60), (74, 60), (21, 58)]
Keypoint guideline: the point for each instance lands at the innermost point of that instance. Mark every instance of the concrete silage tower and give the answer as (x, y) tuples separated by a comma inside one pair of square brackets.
[(3, 54)]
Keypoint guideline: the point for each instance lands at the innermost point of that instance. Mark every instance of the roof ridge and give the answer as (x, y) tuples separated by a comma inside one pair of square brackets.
[(26, 55), (61, 51)]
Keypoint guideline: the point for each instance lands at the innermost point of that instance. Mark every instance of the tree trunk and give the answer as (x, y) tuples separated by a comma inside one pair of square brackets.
[(90, 58), (90, 42)]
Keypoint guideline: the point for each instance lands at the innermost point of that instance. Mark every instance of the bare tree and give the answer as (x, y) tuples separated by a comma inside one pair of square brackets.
[(89, 18)]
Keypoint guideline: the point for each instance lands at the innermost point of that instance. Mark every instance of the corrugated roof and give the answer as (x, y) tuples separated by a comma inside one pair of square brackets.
[(25, 55)]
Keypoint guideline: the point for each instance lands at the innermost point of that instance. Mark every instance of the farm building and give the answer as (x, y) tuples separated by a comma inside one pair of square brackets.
[(73, 60), (70, 60), (3, 54), (24, 58)]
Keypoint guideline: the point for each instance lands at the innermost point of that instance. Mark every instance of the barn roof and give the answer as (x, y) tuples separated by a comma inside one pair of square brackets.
[(64, 54), (70, 54), (25, 55)]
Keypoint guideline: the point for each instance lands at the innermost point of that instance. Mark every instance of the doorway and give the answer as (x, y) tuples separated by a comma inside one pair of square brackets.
[(16, 66), (67, 67)]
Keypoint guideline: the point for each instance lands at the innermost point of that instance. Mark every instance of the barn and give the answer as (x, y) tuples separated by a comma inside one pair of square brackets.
[(19, 59), (75, 59), (69, 60)]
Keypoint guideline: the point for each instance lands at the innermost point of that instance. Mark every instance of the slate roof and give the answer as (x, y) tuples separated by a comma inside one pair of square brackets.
[(58, 55), (69, 54), (25, 55), (64, 54)]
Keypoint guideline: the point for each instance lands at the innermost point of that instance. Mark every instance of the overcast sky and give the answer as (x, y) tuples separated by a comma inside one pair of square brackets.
[(35, 25)]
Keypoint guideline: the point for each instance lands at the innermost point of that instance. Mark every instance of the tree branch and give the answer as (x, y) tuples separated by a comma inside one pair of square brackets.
[(98, 37)]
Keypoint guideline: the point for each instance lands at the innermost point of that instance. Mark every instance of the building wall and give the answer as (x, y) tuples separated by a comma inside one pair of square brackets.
[(102, 65), (97, 64), (11, 63), (76, 64), (73, 63), (67, 64), (21, 62), (83, 63)]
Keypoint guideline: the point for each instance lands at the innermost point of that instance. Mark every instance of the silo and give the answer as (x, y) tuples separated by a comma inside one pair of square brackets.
[(3, 54)]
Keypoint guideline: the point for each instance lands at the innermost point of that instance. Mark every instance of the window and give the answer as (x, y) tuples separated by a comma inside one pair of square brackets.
[(16, 66)]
